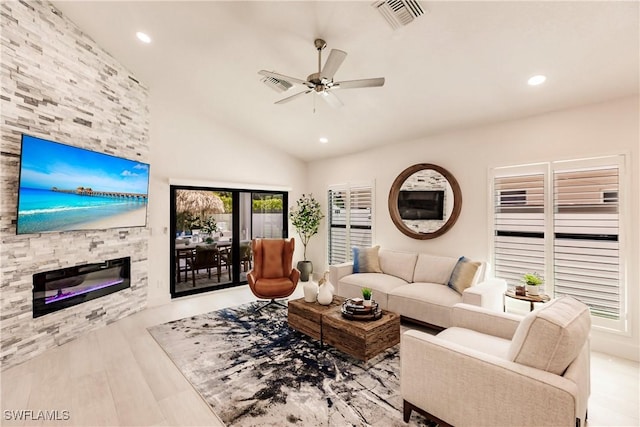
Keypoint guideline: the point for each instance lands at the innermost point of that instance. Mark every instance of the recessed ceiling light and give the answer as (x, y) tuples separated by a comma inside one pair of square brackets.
[(324, 140), (536, 80), (143, 37)]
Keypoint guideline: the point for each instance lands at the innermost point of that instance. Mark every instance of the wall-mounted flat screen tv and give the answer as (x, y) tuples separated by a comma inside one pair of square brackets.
[(421, 204), (63, 188)]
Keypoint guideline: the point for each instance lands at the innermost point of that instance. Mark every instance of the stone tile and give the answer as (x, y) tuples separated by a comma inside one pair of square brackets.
[(58, 84)]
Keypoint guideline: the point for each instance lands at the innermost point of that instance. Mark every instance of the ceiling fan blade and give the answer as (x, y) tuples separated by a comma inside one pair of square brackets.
[(352, 84), (283, 77), (331, 99), (292, 97), (335, 59)]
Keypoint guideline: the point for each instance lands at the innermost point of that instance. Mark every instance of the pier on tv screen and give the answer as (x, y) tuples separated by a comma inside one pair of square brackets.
[(63, 188)]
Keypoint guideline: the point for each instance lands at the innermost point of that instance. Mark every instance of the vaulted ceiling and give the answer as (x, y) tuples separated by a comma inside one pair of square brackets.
[(460, 64)]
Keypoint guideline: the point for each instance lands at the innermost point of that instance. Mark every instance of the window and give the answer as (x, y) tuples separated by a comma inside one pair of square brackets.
[(586, 251), (610, 197), (267, 215), (510, 198), (350, 220), (565, 221), (519, 222)]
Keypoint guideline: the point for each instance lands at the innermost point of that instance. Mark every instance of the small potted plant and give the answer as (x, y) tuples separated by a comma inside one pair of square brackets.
[(533, 282), (366, 296)]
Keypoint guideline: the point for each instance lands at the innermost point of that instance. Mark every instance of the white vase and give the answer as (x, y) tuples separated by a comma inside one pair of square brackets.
[(533, 290), (325, 293), (310, 291), (366, 303)]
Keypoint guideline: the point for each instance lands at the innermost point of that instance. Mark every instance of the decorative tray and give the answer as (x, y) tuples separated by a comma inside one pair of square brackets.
[(360, 312)]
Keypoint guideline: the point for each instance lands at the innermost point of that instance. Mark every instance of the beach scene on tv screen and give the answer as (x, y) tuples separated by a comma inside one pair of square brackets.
[(69, 188)]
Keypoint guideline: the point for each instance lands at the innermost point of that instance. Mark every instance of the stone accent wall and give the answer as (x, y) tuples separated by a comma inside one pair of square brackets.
[(58, 84)]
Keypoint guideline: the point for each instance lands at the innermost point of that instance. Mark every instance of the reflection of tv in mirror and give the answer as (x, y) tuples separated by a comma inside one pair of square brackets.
[(421, 204)]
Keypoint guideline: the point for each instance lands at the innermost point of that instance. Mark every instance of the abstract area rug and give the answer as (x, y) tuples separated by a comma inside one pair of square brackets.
[(253, 370)]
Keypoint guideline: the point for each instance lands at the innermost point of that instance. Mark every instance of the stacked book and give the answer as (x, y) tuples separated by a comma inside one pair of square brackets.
[(355, 309)]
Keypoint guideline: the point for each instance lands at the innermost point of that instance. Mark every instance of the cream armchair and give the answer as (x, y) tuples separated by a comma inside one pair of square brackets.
[(498, 369)]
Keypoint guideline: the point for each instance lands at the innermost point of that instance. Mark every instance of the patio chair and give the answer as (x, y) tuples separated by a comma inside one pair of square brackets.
[(204, 257)]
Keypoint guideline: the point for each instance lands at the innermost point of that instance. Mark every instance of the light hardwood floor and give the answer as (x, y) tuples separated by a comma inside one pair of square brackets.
[(119, 376)]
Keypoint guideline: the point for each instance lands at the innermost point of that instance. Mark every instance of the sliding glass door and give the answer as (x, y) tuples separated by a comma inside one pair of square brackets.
[(268, 215), (213, 228)]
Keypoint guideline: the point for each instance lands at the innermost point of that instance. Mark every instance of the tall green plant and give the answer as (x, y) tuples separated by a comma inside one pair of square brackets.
[(305, 217)]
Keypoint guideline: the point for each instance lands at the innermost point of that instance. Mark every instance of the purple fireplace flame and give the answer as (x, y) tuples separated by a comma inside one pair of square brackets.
[(58, 289), (60, 295)]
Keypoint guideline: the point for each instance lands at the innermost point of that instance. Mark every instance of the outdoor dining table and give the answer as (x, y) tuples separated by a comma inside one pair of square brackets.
[(186, 251)]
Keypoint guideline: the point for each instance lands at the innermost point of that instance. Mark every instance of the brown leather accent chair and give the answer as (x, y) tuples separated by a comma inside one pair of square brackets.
[(272, 275)]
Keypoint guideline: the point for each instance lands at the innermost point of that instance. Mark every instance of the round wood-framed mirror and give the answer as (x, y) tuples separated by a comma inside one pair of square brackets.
[(425, 201)]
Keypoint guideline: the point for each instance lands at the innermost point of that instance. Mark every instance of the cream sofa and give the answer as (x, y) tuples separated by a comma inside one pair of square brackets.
[(415, 286), (499, 369)]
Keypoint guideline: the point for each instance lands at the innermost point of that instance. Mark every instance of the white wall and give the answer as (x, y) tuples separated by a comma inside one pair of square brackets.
[(595, 130), (189, 146)]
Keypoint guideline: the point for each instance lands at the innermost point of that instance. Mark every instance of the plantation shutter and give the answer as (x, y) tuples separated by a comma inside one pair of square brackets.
[(337, 226), (350, 220), (360, 217), (587, 237), (565, 220), (519, 226)]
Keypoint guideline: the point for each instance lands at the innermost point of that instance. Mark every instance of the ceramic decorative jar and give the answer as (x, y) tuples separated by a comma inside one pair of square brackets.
[(310, 289), (325, 290)]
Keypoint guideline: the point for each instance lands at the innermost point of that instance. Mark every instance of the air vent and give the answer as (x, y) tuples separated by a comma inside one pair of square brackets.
[(276, 84), (399, 13)]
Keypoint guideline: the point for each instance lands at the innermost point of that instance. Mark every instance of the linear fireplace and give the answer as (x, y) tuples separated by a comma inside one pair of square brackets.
[(58, 289)]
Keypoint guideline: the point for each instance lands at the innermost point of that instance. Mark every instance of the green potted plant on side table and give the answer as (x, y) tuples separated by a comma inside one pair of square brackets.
[(305, 217), (533, 281), (367, 295)]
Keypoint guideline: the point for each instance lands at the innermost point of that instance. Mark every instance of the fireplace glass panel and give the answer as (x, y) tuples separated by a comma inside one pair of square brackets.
[(58, 289)]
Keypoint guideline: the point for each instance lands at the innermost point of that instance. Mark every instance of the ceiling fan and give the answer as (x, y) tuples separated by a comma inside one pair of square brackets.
[(321, 82)]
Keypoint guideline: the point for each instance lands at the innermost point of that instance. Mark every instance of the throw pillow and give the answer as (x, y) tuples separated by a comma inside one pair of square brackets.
[(463, 274), (365, 260)]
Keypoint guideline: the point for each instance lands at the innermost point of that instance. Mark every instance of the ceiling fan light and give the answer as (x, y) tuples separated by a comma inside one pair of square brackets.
[(143, 37), (536, 80)]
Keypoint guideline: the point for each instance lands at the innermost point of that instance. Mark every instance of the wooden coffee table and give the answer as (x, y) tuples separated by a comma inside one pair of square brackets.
[(306, 317), (362, 339)]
